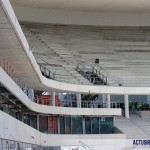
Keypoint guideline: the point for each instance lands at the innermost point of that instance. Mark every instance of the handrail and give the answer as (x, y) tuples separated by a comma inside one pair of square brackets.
[(69, 103), (104, 78), (88, 74), (46, 73), (80, 64), (48, 64), (86, 146)]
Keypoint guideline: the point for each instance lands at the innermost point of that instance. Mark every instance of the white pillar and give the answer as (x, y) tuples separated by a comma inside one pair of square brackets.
[(104, 101), (126, 104), (31, 94), (108, 100), (78, 100), (53, 98)]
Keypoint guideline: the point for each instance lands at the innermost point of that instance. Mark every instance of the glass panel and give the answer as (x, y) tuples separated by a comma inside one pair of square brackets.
[(87, 125), (77, 125), (62, 125), (106, 125), (95, 125), (68, 125)]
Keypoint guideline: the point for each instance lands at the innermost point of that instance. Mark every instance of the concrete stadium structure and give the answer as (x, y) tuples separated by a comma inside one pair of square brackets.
[(74, 74)]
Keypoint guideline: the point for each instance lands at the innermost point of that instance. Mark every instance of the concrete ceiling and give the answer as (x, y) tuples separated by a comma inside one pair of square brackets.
[(89, 5), (123, 52)]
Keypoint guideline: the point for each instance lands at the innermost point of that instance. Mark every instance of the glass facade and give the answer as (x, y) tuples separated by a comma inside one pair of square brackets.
[(106, 125), (87, 125), (95, 125), (99, 125), (68, 125), (78, 125), (62, 124)]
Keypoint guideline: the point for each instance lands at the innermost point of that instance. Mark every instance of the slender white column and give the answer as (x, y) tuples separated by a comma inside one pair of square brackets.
[(126, 104), (104, 101), (53, 98), (31, 94), (78, 100), (108, 100)]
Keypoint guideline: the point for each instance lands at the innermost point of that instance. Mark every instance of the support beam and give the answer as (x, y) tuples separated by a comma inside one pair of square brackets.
[(78, 100), (108, 101), (126, 104)]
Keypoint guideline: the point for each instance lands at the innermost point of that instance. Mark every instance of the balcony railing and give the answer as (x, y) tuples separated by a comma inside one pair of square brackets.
[(46, 73), (83, 104)]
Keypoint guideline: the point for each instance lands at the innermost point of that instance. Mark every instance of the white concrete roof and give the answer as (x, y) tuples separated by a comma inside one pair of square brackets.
[(89, 5)]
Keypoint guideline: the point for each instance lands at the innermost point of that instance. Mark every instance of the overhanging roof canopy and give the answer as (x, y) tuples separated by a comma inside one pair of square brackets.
[(89, 5)]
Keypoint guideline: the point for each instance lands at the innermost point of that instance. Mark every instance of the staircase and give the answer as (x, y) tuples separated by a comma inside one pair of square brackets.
[(93, 75), (134, 127)]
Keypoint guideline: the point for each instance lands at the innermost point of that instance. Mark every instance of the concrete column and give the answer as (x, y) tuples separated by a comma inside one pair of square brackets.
[(126, 104), (78, 100), (104, 101), (108, 100), (53, 98), (31, 94)]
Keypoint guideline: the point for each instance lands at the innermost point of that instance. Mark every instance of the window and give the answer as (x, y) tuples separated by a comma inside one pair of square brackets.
[(76, 125)]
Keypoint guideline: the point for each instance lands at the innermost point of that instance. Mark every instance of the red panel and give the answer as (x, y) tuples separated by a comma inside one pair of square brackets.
[(52, 124)]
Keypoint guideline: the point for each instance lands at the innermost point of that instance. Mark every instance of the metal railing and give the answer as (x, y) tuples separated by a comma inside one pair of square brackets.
[(83, 104), (102, 77), (93, 75), (47, 73)]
